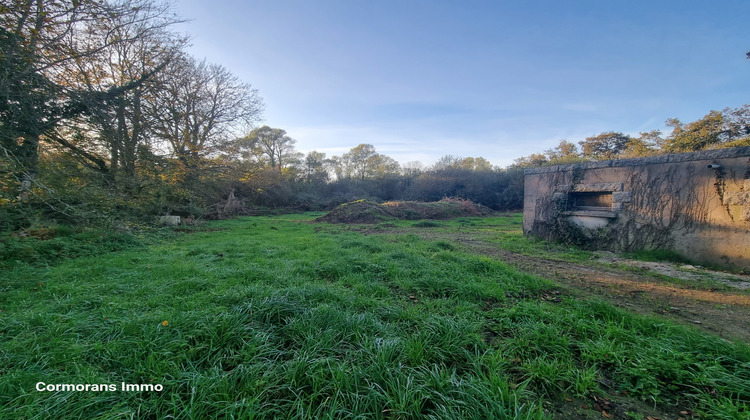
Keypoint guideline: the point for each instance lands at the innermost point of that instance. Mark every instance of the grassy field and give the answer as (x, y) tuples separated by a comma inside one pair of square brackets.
[(279, 317)]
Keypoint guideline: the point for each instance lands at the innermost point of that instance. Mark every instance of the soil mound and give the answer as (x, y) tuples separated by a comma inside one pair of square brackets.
[(363, 211)]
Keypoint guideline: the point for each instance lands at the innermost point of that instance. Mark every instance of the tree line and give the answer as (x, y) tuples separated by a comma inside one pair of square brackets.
[(106, 118), (717, 129), (271, 173)]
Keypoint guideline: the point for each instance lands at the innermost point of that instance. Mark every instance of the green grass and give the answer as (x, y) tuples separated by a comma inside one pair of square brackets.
[(51, 245), (277, 317), (658, 255), (503, 231)]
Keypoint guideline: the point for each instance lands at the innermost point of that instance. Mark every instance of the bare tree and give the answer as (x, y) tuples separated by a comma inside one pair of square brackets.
[(122, 127), (200, 107)]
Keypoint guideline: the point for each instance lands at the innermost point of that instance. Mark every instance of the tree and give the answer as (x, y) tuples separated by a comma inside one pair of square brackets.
[(605, 146), (28, 100), (533, 160), (43, 42), (446, 162), (315, 167), (122, 127), (738, 126), (360, 160), (271, 145), (564, 152), (698, 135), (480, 164), (200, 107), (412, 169), (363, 162), (728, 128), (383, 166), (647, 144), (451, 163)]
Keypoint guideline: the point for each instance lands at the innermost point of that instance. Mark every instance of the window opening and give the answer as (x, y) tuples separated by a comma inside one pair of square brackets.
[(601, 200)]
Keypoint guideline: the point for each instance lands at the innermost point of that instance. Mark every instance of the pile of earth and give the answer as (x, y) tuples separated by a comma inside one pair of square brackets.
[(363, 211)]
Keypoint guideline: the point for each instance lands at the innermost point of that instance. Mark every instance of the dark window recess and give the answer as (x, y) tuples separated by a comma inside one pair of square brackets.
[(590, 200)]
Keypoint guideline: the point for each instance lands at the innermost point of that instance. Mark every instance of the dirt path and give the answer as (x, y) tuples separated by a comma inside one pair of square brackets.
[(721, 312), (725, 313)]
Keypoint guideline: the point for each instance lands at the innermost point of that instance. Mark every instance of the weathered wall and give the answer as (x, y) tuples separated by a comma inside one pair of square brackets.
[(664, 202)]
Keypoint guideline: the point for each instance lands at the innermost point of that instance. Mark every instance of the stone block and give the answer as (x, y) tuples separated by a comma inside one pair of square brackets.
[(599, 187), (169, 220), (651, 160), (622, 197)]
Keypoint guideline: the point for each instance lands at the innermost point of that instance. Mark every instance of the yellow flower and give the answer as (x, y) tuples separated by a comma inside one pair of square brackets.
[(165, 323)]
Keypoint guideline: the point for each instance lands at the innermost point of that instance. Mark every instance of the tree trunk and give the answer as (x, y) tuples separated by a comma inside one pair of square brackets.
[(28, 156)]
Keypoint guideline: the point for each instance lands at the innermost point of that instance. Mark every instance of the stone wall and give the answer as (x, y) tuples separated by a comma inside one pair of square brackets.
[(697, 204)]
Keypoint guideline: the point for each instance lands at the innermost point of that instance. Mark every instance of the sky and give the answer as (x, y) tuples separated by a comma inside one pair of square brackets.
[(499, 79)]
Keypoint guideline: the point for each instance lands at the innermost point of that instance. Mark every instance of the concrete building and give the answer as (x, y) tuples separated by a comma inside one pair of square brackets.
[(696, 204)]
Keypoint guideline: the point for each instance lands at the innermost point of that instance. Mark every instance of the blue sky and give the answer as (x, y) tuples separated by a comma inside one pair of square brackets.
[(499, 79)]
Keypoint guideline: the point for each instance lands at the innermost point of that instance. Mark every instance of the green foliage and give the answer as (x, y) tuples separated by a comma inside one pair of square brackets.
[(495, 188), (562, 154), (697, 135), (604, 146), (270, 146), (717, 129), (647, 144), (453, 163), (363, 162)]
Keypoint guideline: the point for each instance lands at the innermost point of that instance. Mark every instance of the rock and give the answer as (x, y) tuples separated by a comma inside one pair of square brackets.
[(169, 220)]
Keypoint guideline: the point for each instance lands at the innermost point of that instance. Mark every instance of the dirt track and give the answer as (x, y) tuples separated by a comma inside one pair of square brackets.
[(725, 313)]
